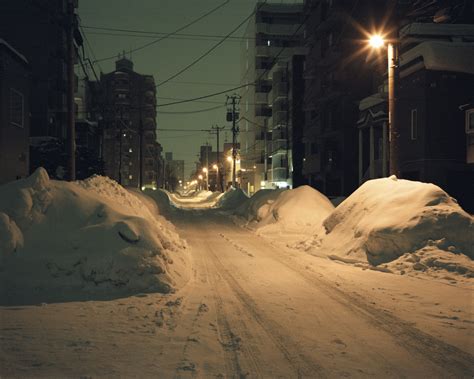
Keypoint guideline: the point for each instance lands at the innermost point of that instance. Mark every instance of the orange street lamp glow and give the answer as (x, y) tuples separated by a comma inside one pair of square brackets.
[(376, 41), (200, 177), (214, 167), (204, 169)]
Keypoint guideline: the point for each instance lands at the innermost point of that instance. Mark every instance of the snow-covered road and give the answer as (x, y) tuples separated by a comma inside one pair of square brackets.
[(253, 308)]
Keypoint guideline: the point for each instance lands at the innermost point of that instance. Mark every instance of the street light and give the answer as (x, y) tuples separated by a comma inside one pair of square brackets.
[(200, 178), (205, 171), (377, 41), (216, 167)]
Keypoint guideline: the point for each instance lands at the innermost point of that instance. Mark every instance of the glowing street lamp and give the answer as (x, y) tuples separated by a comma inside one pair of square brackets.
[(205, 171), (216, 167), (377, 41)]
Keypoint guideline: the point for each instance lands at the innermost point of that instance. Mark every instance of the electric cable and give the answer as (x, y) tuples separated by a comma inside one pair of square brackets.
[(202, 56), (213, 10)]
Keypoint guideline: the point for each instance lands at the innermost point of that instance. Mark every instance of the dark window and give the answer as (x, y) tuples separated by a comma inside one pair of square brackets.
[(414, 124), (16, 108)]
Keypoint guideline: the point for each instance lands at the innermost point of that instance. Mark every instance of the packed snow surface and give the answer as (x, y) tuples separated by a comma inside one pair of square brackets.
[(62, 240), (387, 218)]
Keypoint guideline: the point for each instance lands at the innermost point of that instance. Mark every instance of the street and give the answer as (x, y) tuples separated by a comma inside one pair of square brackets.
[(253, 308)]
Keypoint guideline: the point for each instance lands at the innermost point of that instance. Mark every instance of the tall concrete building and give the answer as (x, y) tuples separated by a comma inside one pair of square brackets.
[(273, 34), (129, 103)]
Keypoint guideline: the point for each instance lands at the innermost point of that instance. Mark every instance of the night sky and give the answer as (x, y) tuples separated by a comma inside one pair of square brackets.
[(218, 71)]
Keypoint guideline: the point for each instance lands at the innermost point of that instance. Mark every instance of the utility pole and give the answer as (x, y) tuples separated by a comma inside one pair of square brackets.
[(120, 146), (393, 127), (71, 131), (140, 141), (217, 130), (232, 101)]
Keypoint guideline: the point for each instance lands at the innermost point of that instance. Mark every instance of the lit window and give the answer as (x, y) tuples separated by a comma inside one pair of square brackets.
[(414, 124), (268, 43), (130, 177), (130, 150)]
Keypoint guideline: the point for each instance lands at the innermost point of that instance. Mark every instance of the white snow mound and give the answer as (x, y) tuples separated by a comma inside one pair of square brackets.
[(250, 209), (387, 218), (62, 240), (231, 199), (301, 210)]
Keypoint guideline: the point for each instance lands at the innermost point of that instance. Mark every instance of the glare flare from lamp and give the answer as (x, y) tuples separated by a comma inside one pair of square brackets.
[(376, 41)]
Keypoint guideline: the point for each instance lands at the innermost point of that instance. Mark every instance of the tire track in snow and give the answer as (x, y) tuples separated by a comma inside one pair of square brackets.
[(440, 353), (303, 365)]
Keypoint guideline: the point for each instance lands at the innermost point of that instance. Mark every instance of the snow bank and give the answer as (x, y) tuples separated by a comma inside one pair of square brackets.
[(263, 198), (162, 200), (231, 199), (387, 218), (61, 241), (302, 209)]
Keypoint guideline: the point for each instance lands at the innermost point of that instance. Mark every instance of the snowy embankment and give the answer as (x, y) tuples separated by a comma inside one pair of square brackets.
[(401, 225), (301, 210), (389, 224), (231, 199), (61, 241)]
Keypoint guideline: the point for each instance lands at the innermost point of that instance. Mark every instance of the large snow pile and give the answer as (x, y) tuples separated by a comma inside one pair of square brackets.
[(162, 200), (89, 239), (250, 209), (231, 199), (389, 219), (301, 210)]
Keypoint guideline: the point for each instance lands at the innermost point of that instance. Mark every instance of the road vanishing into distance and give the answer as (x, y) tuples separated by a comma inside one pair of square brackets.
[(253, 308)]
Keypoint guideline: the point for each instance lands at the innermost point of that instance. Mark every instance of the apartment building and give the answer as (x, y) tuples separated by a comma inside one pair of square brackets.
[(273, 34)]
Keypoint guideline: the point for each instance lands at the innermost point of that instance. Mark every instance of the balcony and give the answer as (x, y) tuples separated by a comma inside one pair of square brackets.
[(279, 174), (279, 91), (279, 118), (279, 134), (279, 147)]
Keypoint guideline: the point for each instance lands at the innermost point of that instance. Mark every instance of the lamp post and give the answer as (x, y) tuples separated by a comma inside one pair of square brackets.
[(206, 172), (216, 167), (377, 41), (200, 181)]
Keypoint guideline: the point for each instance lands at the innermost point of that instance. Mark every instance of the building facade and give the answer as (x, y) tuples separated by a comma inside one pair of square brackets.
[(14, 114), (274, 33), (37, 29), (337, 77), (436, 77), (129, 124)]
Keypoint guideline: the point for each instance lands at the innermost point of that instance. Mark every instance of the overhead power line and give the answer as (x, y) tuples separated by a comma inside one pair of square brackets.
[(202, 56), (264, 72), (196, 111), (213, 10), (142, 33)]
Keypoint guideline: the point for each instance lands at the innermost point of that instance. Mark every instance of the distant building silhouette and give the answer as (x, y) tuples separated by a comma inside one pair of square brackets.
[(129, 110)]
